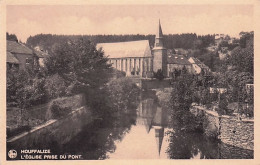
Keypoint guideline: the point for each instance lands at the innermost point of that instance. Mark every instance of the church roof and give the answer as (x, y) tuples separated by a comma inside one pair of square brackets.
[(139, 48), (177, 59)]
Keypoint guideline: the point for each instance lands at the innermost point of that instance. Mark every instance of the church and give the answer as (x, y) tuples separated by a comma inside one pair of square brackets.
[(137, 58)]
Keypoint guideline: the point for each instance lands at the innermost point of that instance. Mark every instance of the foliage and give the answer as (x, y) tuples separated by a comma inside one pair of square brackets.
[(25, 88), (56, 87), (210, 59), (186, 41), (159, 75), (181, 99), (58, 109), (123, 94), (223, 103), (79, 64), (242, 57), (11, 37), (118, 74)]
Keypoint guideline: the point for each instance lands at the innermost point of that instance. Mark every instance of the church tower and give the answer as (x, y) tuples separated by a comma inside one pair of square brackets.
[(159, 53)]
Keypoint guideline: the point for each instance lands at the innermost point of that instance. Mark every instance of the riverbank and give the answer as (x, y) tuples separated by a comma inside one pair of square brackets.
[(19, 122), (53, 133), (229, 130)]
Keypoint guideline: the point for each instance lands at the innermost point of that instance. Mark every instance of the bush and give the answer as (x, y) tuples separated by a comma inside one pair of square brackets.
[(55, 87), (159, 74), (64, 105), (58, 110), (222, 109), (118, 73), (123, 93), (25, 88)]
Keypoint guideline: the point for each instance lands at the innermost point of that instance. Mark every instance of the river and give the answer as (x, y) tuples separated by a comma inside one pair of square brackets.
[(145, 133)]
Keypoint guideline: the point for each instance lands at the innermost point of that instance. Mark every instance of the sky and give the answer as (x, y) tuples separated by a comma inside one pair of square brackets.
[(29, 20)]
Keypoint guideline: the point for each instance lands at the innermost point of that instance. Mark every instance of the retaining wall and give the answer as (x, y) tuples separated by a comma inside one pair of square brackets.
[(229, 130), (53, 133)]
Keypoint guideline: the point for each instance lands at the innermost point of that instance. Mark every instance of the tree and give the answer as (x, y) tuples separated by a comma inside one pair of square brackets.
[(11, 37), (80, 64), (183, 94), (25, 88), (123, 94), (242, 57), (198, 44)]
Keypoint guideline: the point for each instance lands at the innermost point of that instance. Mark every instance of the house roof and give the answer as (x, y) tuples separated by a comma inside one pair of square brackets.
[(198, 62), (177, 59), (181, 51), (11, 58), (15, 47), (126, 49)]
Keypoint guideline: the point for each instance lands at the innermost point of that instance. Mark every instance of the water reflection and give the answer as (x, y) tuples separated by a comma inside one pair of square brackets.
[(97, 140), (145, 134)]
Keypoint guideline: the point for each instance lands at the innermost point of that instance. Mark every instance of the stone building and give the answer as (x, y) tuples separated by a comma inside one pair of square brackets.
[(177, 62), (134, 57)]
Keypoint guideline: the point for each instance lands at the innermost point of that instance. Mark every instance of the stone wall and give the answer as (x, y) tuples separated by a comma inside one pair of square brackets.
[(53, 133), (239, 133), (229, 130)]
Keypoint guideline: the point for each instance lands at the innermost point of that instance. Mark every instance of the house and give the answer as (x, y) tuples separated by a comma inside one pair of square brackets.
[(19, 55), (177, 62), (198, 66), (11, 60)]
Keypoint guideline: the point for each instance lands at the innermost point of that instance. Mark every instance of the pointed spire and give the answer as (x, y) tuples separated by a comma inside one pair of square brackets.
[(159, 37), (159, 33), (159, 135)]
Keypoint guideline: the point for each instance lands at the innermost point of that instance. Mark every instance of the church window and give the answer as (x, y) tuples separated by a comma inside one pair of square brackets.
[(126, 65), (134, 64)]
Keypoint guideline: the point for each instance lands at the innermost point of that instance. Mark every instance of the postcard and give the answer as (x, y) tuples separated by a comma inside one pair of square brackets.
[(147, 82)]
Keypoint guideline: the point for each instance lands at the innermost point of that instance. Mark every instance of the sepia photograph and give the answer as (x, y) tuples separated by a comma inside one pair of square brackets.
[(119, 81)]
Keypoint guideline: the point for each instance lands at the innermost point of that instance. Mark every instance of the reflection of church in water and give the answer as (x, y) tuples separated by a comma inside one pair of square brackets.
[(154, 117)]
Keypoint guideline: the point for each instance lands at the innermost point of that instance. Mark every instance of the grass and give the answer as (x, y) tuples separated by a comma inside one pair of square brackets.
[(17, 124)]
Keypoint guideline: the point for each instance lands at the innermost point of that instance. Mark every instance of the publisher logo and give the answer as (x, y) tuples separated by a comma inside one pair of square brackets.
[(12, 154)]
